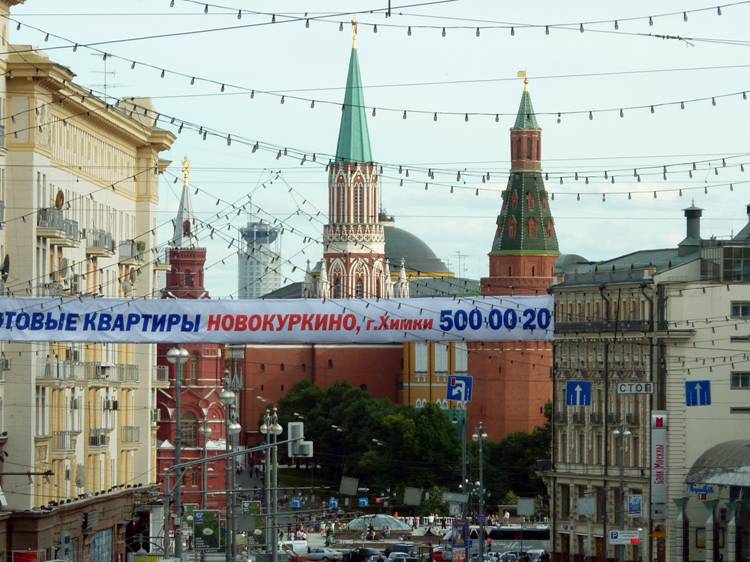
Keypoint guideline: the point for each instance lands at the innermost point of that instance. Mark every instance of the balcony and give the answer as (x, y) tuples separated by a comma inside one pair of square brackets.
[(50, 289), (131, 252), (130, 434), (127, 374), (51, 223), (613, 418), (632, 420), (596, 418), (161, 375), (155, 416), (579, 418), (99, 243), (63, 441), (561, 417), (99, 373), (98, 438), (599, 326), (60, 370)]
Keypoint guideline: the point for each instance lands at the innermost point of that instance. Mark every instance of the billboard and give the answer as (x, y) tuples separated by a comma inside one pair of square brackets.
[(658, 464), (206, 531), (280, 321)]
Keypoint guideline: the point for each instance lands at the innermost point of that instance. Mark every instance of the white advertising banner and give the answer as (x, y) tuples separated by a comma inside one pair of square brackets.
[(658, 464), (357, 321)]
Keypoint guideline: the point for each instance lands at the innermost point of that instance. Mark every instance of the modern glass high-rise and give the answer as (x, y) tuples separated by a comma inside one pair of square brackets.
[(259, 270)]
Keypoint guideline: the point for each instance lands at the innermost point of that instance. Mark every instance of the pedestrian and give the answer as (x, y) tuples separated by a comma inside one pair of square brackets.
[(189, 541)]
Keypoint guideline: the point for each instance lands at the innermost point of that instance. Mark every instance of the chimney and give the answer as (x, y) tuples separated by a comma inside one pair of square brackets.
[(693, 216)]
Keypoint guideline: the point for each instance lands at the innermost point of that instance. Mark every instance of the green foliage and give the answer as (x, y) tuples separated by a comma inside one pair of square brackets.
[(382, 444)]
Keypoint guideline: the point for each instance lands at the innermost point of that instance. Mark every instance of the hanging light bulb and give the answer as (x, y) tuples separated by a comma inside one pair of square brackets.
[(307, 23), (576, 176), (650, 20), (239, 14), (604, 197), (613, 179), (546, 30), (690, 173), (713, 101), (561, 180), (404, 114), (477, 192), (639, 178), (255, 147), (716, 171), (652, 109), (443, 32), (682, 105), (558, 118), (621, 113), (553, 195), (587, 180), (171, 3), (680, 192), (283, 98), (512, 31), (451, 189), (684, 16), (341, 26), (497, 117), (425, 186), (742, 167), (312, 104), (731, 187), (591, 115), (635, 172), (466, 117), (205, 9), (252, 94), (546, 176), (578, 197), (744, 95), (273, 18), (606, 174), (477, 32), (434, 116), (408, 31), (705, 189), (401, 182), (375, 28), (724, 162), (617, 25), (581, 28), (629, 196), (718, 10), (694, 166)]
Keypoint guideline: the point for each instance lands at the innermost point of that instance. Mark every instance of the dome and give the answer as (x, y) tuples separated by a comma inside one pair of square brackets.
[(725, 464), (377, 522), (419, 258)]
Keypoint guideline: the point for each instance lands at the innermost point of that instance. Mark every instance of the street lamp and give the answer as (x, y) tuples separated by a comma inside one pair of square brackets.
[(271, 429), (205, 431), (227, 398), (621, 431), (177, 356), (480, 436)]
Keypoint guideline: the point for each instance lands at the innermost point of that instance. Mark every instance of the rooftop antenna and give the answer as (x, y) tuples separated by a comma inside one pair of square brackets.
[(105, 74)]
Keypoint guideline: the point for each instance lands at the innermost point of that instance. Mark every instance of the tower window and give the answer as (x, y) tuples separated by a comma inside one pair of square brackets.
[(359, 202), (359, 289), (529, 144), (330, 363)]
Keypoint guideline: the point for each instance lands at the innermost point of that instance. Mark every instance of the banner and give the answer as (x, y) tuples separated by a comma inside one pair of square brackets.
[(659, 464), (356, 321), (206, 531)]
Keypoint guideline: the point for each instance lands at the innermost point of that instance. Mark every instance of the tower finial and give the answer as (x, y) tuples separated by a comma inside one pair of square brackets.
[(185, 172), (522, 74), (354, 32)]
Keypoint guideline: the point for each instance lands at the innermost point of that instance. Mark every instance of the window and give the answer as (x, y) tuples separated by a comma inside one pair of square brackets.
[(359, 288), (564, 501), (529, 144), (187, 425), (462, 358), (330, 363), (740, 381), (740, 309), (441, 357), (421, 351)]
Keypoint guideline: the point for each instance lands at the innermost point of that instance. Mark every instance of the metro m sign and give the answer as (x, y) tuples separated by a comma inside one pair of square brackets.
[(658, 464)]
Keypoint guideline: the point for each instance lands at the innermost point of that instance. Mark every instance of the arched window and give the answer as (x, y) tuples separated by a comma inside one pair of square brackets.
[(359, 201), (529, 144), (338, 289), (359, 287), (341, 211), (188, 422), (531, 200), (533, 228)]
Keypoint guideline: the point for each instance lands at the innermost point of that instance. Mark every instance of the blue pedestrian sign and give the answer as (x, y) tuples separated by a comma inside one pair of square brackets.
[(698, 393), (578, 393), (363, 502), (459, 388), (333, 503), (296, 503)]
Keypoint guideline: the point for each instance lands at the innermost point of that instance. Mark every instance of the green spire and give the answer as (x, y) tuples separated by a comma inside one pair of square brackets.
[(354, 139), (525, 225), (526, 118)]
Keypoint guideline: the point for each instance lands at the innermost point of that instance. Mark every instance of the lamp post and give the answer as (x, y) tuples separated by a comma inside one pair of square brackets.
[(205, 431), (177, 356), (264, 429), (232, 428), (622, 432), (272, 429), (480, 436)]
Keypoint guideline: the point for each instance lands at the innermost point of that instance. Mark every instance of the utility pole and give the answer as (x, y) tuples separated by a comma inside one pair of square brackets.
[(622, 432), (480, 436), (178, 356), (232, 428)]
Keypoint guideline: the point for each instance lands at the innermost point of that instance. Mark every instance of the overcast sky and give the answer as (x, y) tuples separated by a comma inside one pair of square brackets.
[(289, 58)]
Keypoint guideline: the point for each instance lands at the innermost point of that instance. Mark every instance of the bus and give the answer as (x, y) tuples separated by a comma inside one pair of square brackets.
[(520, 538)]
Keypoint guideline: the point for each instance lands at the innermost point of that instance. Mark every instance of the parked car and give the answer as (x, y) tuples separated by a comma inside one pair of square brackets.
[(404, 547), (322, 553), (360, 554), (398, 556)]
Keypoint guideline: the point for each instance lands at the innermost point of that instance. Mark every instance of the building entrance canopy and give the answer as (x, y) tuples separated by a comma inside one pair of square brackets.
[(725, 464), (356, 321)]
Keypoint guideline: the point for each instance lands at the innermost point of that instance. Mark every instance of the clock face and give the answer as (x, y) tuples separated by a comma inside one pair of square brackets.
[(186, 228)]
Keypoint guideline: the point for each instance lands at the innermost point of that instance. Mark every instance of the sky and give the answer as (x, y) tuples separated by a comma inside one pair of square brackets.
[(568, 70)]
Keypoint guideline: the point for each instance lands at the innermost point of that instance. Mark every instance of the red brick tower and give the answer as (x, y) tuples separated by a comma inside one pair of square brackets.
[(202, 375), (513, 379)]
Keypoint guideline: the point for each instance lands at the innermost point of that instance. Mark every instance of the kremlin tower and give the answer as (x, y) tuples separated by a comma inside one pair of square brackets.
[(201, 412), (354, 264), (514, 378)]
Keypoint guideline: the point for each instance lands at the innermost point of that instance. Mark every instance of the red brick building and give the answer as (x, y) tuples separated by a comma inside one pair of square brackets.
[(203, 374)]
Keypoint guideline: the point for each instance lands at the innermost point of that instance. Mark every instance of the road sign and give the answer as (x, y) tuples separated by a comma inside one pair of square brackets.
[(701, 489), (333, 503), (635, 388), (363, 502), (459, 388), (296, 503), (621, 536), (579, 393), (698, 393), (635, 505)]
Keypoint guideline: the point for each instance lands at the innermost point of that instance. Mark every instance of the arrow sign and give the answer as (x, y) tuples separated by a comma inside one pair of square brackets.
[(578, 393), (459, 388), (698, 393)]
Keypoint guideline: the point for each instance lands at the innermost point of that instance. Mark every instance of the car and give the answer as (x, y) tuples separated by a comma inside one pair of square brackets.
[(322, 553), (400, 556), (360, 554), (404, 547)]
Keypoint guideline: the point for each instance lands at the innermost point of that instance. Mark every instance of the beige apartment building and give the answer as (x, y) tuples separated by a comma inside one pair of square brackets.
[(78, 205), (659, 337)]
